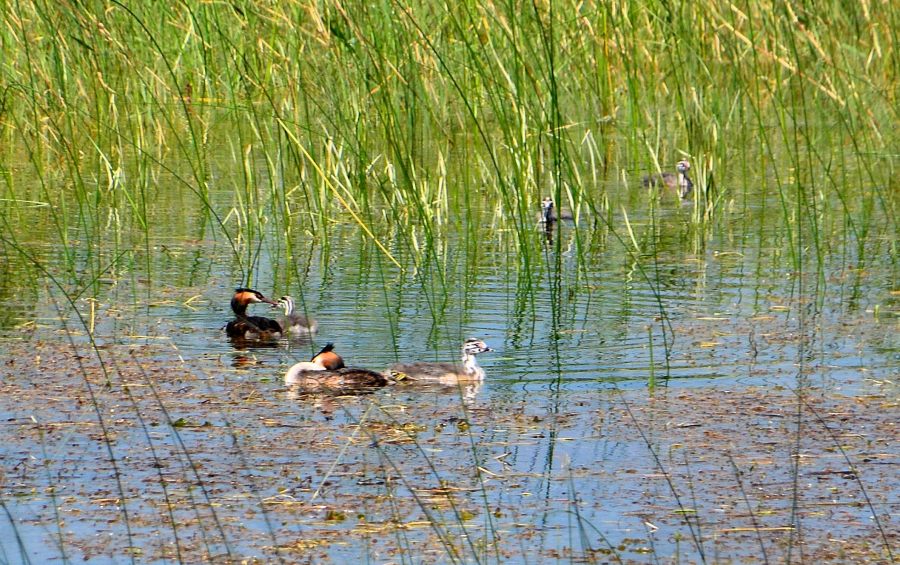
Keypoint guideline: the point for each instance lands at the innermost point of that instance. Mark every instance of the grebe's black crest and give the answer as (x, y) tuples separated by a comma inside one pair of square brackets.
[(328, 359), (259, 296)]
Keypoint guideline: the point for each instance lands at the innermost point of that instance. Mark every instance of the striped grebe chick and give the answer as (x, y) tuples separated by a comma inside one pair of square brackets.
[(467, 370), (294, 323), (677, 181), (250, 327), (326, 372)]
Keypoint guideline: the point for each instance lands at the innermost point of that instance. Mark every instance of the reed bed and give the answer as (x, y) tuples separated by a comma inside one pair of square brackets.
[(412, 108)]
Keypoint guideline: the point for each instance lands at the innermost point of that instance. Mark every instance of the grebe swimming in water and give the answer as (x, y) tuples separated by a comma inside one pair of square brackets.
[(326, 372), (679, 180), (250, 327), (467, 370), (293, 323)]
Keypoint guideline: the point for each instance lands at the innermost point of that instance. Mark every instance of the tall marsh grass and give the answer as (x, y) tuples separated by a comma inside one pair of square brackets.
[(413, 108)]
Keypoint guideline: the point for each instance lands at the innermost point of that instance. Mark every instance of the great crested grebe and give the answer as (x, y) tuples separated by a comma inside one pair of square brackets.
[(548, 212), (325, 360), (467, 370), (250, 327), (326, 372), (294, 323), (680, 180)]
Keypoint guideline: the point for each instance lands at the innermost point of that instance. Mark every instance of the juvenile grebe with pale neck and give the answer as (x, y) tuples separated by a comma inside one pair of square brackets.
[(294, 323), (467, 370), (679, 180)]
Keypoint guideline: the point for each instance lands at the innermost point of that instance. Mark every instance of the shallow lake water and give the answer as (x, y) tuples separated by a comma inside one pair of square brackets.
[(709, 402)]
